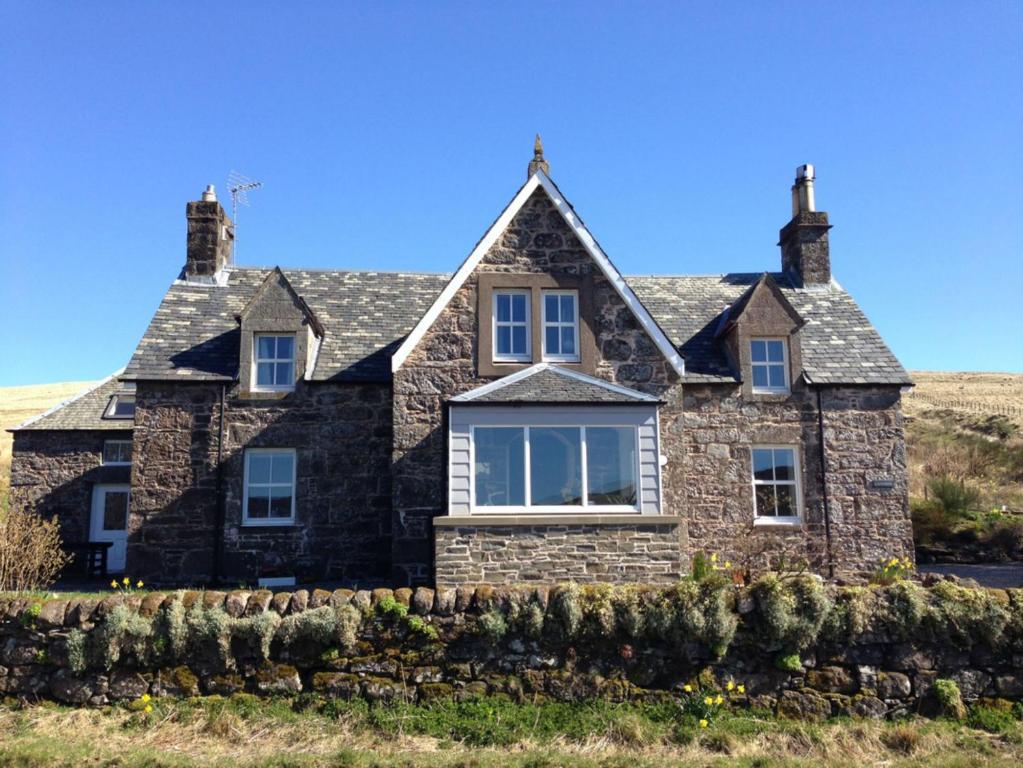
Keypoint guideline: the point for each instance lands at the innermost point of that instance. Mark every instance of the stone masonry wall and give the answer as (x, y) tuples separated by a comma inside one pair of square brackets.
[(864, 442), (342, 436), (67, 650), (445, 364), (53, 473), (546, 553)]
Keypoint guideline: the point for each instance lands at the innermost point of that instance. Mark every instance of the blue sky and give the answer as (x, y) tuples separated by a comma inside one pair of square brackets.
[(389, 135)]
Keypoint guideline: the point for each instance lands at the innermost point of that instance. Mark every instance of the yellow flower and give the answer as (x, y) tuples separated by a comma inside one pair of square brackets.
[(148, 709), (687, 688), (708, 700), (704, 723), (730, 686), (146, 698), (742, 688), (126, 581), (719, 700), (138, 585), (894, 561), (113, 585), (728, 563), (714, 558)]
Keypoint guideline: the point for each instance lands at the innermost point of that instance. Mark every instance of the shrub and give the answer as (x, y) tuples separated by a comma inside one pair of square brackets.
[(122, 630), (628, 612), (564, 612), (992, 719), (77, 656), (532, 618), (694, 612), (701, 567), (956, 497), (903, 609), (492, 625), (349, 621), (967, 617), (391, 610), (30, 551), (789, 662), (258, 630), (949, 699), (792, 610), (317, 625), (419, 627), (598, 611), (173, 620), (209, 628)]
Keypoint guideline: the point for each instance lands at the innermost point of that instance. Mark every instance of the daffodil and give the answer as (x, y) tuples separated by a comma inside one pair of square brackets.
[(714, 558), (742, 688), (149, 708), (708, 700), (719, 700), (730, 686), (728, 563), (146, 698), (126, 581), (113, 585), (704, 723), (138, 584), (687, 688)]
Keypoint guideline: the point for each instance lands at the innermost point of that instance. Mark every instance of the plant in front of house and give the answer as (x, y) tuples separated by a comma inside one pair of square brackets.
[(125, 586), (31, 556), (892, 570)]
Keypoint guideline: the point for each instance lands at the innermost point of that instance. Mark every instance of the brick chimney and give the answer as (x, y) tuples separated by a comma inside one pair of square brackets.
[(210, 238), (804, 240)]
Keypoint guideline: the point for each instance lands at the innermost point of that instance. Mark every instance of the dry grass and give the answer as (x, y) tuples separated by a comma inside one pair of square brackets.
[(217, 735), (996, 394)]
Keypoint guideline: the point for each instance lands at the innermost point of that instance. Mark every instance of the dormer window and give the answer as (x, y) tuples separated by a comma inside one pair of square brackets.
[(769, 365), (561, 326), (511, 326), (274, 361), (121, 406)]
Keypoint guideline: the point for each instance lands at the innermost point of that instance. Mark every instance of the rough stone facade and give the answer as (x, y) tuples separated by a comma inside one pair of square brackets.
[(342, 437), (53, 473), (446, 363), (607, 552)]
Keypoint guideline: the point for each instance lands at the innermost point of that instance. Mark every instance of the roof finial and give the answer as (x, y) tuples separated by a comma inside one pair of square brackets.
[(538, 163)]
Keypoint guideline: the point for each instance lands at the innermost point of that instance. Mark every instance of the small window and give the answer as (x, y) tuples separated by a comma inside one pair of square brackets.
[(117, 452), (122, 406), (511, 326), (275, 362), (769, 365), (269, 487), (776, 484), (560, 325)]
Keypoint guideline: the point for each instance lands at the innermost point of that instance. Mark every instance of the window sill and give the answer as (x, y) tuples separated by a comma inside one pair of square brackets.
[(459, 521), (778, 522), (282, 523)]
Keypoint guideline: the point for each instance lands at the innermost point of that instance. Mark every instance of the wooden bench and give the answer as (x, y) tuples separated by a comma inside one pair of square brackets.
[(90, 557)]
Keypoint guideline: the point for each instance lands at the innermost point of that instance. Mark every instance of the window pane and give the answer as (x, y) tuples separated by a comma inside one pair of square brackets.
[(518, 339), (759, 375), (259, 468), (285, 374), (281, 468), (774, 352), (265, 347), (285, 348), (758, 351), (765, 500), (500, 466), (611, 465), (124, 454), (555, 465), (568, 309), (503, 307), (280, 502), (259, 502), (115, 511), (550, 308), (110, 452), (124, 406), (265, 374), (784, 464), (503, 340), (551, 334), (786, 495), (763, 464), (567, 341), (777, 373), (518, 308)]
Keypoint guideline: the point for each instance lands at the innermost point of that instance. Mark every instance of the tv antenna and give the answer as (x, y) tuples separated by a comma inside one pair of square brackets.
[(239, 187)]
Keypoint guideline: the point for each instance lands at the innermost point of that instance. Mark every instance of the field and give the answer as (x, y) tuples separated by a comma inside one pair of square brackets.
[(486, 733)]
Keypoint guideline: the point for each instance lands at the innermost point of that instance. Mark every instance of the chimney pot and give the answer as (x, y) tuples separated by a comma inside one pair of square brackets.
[(805, 253), (210, 195)]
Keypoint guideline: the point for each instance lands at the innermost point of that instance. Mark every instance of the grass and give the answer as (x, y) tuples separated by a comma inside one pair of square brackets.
[(243, 731)]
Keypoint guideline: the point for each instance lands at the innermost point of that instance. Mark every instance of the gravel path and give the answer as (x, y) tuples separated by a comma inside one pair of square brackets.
[(1001, 575)]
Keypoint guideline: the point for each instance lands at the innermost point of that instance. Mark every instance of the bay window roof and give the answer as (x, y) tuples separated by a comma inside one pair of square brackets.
[(546, 383)]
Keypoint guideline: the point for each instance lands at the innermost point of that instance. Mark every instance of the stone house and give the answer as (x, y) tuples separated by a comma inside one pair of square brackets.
[(533, 417)]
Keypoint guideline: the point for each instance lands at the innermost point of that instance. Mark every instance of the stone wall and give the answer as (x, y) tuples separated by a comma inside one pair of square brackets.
[(864, 443), (53, 473), (342, 435), (497, 554), (424, 644), (445, 363)]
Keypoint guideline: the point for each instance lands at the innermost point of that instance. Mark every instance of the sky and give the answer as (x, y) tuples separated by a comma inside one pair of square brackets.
[(390, 135)]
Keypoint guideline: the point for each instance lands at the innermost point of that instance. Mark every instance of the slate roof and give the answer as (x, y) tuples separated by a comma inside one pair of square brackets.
[(83, 411), (194, 335), (545, 383)]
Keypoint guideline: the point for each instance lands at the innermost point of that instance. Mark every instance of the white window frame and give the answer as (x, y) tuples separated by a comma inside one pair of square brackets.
[(527, 356), (269, 521), (256, 360), (111, 411), (559, 324), (103, 454), (558, 509), (797, 461), (769, 390)]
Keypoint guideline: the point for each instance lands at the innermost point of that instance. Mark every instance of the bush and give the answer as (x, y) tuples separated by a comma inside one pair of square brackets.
[(967, 617), (492, 625), (992, 719), (949, 699), (30, 551), (694, 612), (793, 610), (957, 498), (565, 612)]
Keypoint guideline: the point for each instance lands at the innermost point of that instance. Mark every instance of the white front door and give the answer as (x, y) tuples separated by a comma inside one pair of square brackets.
[(110, 522)]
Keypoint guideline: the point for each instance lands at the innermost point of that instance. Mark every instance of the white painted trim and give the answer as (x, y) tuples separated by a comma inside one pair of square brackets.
[(528, 354), (769, 390), (256, 336), (797, 463), (511, 378), (257, 522), (70, 400), (559, 324), (540, 179), (103, 451)]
